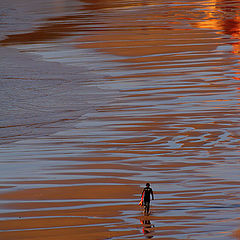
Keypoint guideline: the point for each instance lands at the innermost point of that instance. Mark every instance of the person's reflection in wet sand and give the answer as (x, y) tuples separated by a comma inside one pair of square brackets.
[(147, 227)]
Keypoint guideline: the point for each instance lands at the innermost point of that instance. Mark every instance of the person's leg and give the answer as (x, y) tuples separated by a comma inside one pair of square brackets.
[(147, 207)]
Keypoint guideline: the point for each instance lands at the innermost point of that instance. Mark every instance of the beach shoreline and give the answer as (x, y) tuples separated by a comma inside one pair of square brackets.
[(35, 99), (119, 94)]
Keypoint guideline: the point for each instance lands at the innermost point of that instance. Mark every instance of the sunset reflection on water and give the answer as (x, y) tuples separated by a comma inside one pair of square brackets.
[(172, 119), (224, 16)]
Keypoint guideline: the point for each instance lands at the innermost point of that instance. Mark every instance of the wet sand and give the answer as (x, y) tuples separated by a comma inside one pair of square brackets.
[(169, 115)]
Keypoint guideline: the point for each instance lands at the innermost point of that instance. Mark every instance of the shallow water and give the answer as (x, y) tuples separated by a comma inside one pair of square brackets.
[(170, 73)]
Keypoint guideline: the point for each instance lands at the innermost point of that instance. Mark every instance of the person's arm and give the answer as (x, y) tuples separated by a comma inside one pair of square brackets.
[(152, 195)]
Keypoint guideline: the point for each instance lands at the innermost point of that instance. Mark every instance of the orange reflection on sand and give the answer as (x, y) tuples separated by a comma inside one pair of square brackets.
[(223, 15), (112, 4), (146, 33), (236, 234)]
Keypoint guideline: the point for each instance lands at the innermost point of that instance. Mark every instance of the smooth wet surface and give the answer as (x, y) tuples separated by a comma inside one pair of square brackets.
[(170, 73)]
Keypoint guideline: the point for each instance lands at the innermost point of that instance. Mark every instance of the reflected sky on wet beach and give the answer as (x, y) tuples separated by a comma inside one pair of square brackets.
[(165, 77)]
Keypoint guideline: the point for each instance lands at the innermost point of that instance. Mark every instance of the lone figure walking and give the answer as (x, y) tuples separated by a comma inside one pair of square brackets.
[(145, 197)]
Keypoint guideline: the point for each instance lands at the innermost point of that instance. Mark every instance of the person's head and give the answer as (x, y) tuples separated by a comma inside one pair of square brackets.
[(147, 184)]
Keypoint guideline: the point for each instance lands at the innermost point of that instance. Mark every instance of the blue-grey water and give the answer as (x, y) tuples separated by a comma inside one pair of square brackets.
[(99, 97)]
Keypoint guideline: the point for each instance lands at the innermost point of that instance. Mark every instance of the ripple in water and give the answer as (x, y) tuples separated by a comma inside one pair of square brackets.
[(174, 124)]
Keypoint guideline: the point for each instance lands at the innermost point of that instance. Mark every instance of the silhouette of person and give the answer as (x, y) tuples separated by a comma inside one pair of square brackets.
[(147, 191)]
